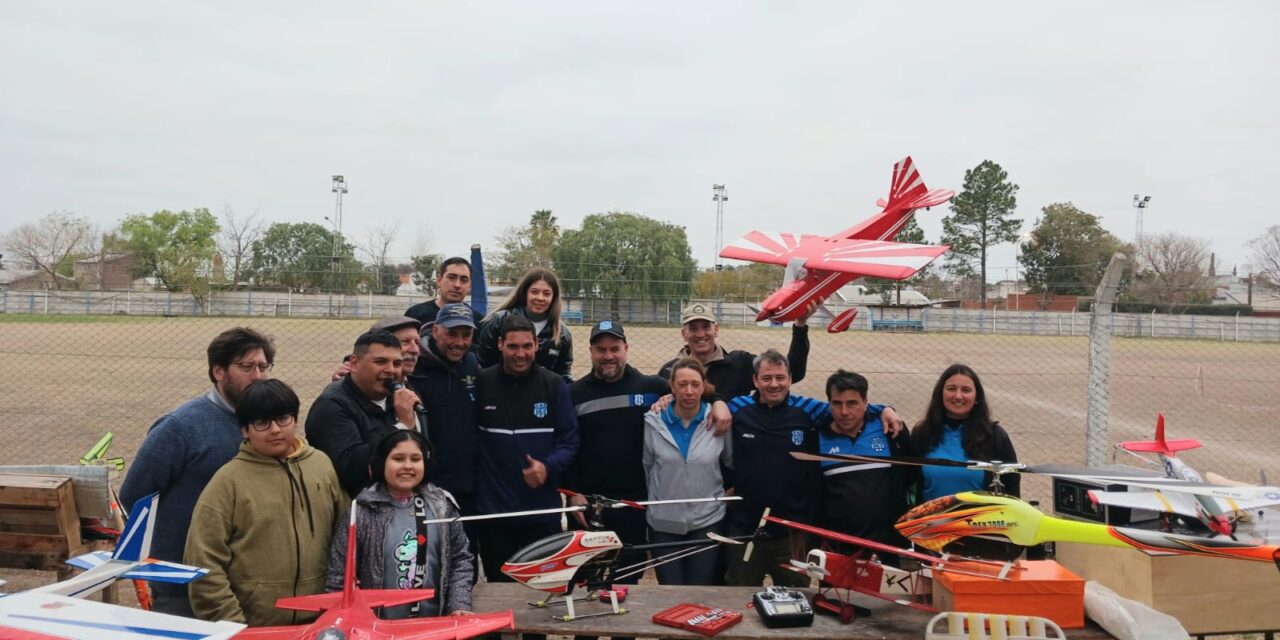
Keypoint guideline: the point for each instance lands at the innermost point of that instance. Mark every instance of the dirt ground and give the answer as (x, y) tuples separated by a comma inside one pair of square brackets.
[(66, 381)]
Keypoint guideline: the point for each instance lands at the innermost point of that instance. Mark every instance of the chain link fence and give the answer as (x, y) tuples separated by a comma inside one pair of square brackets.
[(74, 365)]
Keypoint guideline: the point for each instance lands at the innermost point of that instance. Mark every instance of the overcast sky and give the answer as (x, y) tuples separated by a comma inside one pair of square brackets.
[(459, 119)]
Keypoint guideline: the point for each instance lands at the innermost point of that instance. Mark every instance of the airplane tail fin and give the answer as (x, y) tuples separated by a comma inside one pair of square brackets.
[(1160, 444), (906, 194), (135, 541)]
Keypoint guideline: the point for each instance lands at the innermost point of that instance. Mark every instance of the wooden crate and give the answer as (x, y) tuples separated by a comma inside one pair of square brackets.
[(39, 524), (1207, 595)]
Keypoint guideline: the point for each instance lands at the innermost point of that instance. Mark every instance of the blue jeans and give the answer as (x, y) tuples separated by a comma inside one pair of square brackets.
[(695, 569)]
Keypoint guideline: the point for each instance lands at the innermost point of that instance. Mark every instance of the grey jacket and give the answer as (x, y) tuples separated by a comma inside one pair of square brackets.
[(669, 476), (374, 509)]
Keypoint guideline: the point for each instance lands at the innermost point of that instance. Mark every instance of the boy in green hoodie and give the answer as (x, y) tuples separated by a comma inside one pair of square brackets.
[(262, 526)]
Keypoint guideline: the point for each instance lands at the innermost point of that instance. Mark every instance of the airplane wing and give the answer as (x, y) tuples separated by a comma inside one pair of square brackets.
[(1148, 500), (162, 571), (772, 248), (876, 258), (441, 628), (873, 258), (448, 627), (1256, 497), (32, 616)]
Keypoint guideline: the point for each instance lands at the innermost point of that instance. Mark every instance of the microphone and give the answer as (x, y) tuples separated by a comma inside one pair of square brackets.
[(394, 385)]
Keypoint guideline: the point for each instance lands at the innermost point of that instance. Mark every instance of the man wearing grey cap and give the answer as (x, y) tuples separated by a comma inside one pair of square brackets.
[(405, 329), (731, 371)]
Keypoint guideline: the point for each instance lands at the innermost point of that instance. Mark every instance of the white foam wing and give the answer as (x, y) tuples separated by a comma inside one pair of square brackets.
[(77, 619)]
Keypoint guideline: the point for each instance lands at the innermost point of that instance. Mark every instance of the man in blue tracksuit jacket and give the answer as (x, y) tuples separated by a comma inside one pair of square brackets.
[(528, 437), (767, 427)]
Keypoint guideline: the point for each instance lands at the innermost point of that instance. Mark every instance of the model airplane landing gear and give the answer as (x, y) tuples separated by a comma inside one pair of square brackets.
[(846, 612)]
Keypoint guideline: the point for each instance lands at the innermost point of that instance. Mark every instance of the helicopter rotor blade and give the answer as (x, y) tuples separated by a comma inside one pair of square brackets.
[(751, 544)]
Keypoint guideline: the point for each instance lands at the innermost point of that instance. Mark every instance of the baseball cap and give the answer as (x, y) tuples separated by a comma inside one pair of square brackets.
[(456, 314), (697, 311), (391, 323), (607, 327)]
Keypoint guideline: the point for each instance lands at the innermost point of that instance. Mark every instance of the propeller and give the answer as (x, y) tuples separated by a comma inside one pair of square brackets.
[(810, 568), (751, 544)]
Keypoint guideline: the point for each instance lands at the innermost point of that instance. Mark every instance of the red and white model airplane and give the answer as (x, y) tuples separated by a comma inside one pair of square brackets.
[(348, 614), (817, 266), (1218, 514)]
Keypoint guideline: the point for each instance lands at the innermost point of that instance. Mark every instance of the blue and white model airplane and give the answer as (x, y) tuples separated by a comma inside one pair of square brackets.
[(128, 561), (59, 611)]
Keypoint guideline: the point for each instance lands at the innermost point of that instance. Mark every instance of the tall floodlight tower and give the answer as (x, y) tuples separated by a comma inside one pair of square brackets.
[(339, 188), (718, 194), (1139, 205)]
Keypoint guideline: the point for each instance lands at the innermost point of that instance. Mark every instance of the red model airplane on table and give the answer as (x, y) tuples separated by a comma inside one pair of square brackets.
[(817, 266), (348, 615), (853, 564)]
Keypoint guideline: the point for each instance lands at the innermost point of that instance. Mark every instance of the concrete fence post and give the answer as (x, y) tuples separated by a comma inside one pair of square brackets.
[(1100, 327)]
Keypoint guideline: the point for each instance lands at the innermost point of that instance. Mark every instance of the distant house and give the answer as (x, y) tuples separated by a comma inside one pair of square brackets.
[(27, 280), (112, 271), (407, 287)]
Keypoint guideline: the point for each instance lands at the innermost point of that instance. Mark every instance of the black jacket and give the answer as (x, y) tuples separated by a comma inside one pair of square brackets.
[(611, 433), (448, 393), (557, 358), (426, 312), (732, 374), (863, 501), (765, 473), (346, 426)]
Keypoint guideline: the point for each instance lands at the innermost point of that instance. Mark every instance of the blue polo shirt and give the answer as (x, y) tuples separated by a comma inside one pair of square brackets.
[(681, 434), (945, 481)]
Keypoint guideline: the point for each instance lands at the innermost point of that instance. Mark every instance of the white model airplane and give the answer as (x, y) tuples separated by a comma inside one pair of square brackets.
[(1217, 508), (32, 615), (59, 611)]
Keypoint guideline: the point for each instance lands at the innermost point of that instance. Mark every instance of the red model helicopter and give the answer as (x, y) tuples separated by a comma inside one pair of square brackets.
[(817, 266), (846, 564), (348, 614), (588, 559)]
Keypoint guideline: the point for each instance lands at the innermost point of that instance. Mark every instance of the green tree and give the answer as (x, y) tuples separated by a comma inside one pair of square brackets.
[(980, 219), (749, 283), (523, 247), (624, 255), (301, 256), (1067, 252), (423, 272), (177, 248)]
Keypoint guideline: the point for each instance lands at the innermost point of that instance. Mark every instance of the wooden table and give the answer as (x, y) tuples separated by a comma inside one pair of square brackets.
[(887, 620)]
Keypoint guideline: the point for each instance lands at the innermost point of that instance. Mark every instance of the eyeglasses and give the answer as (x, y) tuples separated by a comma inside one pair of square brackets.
[(248, 367), (284, 421)]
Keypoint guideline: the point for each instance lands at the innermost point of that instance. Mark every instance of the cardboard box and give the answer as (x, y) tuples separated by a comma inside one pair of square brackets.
[(1207, 595), (1045, 588)]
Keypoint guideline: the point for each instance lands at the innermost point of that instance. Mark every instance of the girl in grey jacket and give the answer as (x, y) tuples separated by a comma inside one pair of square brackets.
[(390, 534), (682, 459)]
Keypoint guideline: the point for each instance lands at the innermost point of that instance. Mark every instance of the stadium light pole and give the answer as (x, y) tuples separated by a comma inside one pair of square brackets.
[(339, 188), (720, 197), (1139, 205)]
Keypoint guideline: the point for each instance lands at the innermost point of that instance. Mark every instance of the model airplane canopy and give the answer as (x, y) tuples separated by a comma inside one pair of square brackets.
[(819, 265)]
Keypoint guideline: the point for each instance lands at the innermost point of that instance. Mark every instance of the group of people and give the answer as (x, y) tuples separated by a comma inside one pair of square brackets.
[(442, 412)]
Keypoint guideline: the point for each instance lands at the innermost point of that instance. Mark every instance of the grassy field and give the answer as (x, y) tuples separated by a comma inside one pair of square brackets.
[(64, 381)]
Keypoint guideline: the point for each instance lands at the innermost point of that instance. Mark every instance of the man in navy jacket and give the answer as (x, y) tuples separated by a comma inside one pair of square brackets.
[(528, 437)]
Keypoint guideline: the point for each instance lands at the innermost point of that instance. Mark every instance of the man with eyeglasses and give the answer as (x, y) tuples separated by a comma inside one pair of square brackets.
[(353, 413), (185, 447)]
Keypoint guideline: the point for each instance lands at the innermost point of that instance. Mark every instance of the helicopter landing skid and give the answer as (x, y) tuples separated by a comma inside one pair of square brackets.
[(569, 615)]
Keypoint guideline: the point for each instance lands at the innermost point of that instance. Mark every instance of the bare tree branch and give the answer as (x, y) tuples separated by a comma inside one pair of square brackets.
[(1265, 258), (236, 242), (51, 242)]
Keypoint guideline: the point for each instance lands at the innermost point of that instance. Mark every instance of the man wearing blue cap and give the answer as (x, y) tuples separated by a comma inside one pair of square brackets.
[(445, 379)]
